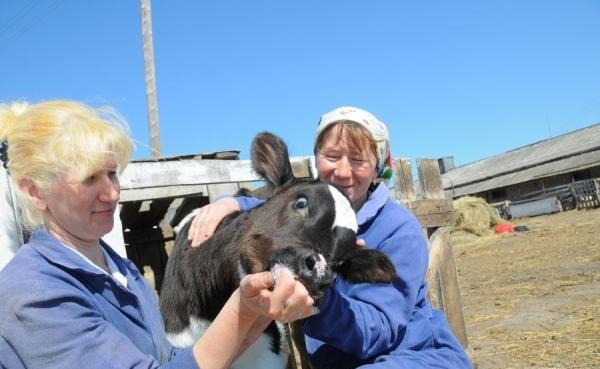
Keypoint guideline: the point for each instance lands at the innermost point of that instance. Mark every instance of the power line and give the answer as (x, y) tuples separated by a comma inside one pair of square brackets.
[(19, 15), (24, 27)]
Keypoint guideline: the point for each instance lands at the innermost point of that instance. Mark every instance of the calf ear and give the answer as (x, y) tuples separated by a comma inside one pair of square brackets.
[(270, 159), (366, 266)]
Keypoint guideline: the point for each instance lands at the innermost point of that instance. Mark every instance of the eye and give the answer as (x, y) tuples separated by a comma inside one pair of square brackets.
[(301, 203), (89, 179)]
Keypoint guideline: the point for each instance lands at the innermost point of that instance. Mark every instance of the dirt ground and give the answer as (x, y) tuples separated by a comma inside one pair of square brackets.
[(532, 299)]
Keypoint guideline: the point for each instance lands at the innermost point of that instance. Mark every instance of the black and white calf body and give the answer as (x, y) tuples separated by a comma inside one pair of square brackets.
[(305, 225)]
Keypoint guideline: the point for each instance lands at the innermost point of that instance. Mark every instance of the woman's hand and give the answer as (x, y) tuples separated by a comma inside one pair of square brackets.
[(287, 301), (208, 218), (259, 300)]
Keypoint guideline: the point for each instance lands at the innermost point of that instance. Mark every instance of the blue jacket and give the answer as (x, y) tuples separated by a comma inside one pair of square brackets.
[(383, 325), (58, 311)]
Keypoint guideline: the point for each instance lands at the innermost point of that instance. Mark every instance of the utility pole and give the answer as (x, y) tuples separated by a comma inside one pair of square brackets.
[(150, 79)]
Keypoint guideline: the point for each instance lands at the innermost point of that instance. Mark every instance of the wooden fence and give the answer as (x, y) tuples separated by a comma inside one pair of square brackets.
[(436, 215)]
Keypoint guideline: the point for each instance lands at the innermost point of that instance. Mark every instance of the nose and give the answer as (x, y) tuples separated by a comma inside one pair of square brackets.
[(310, 261), (343, 168), (312, 264), (110, 189)]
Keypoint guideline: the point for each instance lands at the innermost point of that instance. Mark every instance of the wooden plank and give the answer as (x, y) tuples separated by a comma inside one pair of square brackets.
[(216, 190), (441, 274), (443, 278), (437, 220), (299, 346), (433, 212), (404, 180), (185, 173), (154, 193), (430, 178), (189, 172), (137, 186)]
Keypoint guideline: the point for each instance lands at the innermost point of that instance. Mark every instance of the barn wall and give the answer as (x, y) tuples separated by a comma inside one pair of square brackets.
[(558, 180)]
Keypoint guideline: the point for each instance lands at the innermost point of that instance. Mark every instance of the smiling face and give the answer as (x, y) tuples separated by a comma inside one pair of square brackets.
[(81, 212), (346, 161)]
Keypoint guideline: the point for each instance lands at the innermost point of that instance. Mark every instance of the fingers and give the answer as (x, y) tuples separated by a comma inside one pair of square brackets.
[(203, 226), (208, 219), (360, 243), (252, 284), (287, 301)]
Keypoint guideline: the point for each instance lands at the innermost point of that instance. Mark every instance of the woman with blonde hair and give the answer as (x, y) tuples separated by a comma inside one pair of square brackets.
[(68, 300)]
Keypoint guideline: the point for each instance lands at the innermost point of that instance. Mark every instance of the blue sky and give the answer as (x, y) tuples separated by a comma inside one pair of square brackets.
[(468, 79)]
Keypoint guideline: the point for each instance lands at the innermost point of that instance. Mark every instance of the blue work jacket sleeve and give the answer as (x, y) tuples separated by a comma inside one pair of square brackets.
[(248, 203), (365, 320), (57, 327)]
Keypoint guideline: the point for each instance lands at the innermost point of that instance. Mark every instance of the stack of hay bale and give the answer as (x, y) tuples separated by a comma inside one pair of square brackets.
[(475, 215)]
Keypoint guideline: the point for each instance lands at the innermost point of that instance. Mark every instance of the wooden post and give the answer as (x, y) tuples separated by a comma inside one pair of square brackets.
[(405, 190), (442, 274), (150, 78)]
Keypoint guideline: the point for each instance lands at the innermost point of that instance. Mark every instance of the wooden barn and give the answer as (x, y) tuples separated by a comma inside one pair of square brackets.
[(543, 170)]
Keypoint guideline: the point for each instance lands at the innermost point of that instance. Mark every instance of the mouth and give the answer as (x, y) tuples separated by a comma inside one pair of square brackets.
[(106, 212), (316, 290), (317, 278)]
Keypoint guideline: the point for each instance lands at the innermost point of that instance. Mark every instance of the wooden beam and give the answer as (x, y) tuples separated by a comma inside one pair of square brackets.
[(404, 180), (442, 277), (154, 193), (433, 212), (190, 172), (430, 179)]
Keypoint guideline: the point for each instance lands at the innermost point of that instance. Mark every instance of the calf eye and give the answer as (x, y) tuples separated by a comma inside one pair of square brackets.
[(301, 203)]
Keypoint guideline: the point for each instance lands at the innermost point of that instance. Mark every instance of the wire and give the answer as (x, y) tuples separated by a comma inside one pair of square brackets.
[(34, 20)]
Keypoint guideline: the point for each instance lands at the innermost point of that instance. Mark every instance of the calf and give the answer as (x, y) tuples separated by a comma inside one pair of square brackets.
[(305, 225)]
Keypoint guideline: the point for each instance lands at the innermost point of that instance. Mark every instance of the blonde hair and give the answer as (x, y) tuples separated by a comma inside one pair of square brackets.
[(58, 138)]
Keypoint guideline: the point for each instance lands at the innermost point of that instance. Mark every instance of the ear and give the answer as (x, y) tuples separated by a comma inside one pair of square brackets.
[(270, 159), (30, 189)]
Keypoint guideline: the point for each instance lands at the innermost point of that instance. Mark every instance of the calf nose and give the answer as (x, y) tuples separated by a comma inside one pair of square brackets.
[(309, 267), (314, 269), (314, 264), (311, 261)]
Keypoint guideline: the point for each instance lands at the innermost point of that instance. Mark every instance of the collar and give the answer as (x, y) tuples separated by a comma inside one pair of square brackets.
[(52, 250), (375, 201)]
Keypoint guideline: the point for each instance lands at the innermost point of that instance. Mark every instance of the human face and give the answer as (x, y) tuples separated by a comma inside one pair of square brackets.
[(80, 212), (341, 163)]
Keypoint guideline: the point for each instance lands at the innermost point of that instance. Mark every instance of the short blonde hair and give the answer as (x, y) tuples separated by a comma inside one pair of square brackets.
[(55, 138)]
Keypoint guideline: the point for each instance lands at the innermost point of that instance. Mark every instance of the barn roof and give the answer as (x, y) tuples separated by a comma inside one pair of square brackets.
[(571, 151)]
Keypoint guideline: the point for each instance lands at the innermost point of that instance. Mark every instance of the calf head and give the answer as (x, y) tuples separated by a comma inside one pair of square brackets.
[(306, 226)]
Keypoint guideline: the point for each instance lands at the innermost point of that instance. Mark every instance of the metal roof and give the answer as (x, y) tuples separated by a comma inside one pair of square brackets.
[(572, 151)]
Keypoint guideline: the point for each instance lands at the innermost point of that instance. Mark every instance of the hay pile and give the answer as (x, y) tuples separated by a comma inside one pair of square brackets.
[(474, 215)]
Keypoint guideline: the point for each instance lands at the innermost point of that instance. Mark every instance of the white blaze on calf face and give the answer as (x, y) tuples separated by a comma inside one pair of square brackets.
[(321, 267), (344, 215)]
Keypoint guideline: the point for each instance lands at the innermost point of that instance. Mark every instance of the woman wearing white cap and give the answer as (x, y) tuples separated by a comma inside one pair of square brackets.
[(367, 325)]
